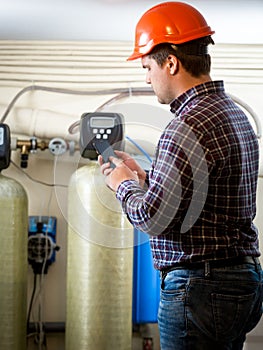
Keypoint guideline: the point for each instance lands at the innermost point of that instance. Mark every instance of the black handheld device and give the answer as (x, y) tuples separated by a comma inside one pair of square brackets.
[(104, 148)]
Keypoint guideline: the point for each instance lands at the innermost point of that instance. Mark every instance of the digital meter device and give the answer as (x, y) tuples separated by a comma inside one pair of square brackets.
[(5, 146), (100, 126)]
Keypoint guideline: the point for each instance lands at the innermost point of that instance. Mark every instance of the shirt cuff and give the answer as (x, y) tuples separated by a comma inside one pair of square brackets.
[(146, 181), (125, 189)]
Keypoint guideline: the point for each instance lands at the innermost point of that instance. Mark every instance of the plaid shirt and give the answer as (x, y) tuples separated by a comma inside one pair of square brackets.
[(201, 196)]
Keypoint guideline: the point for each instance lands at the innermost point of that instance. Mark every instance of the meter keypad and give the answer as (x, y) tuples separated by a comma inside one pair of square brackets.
[(101, 133)]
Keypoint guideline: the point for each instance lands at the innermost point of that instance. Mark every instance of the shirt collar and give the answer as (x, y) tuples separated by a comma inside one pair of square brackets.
[(203, 89)]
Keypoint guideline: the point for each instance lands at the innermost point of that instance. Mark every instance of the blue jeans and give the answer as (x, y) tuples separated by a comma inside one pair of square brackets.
[(209, 311)]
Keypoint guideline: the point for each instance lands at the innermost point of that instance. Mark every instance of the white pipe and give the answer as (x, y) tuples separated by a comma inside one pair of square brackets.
[(251, 112), (41, 123), (120, 95), (50, 124)]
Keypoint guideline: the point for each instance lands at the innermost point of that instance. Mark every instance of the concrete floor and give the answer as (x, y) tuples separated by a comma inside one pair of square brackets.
[(56, 341)]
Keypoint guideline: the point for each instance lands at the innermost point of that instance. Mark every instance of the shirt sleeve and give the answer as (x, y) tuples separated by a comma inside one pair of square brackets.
[(163, 206)]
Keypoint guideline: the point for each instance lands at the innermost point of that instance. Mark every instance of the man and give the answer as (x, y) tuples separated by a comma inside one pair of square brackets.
[(198, 201)]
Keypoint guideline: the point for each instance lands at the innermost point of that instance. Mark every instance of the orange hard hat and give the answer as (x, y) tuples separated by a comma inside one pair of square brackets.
[(168, 22)]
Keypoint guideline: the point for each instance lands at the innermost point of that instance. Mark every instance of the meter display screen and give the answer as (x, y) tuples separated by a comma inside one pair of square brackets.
[(101, 122)]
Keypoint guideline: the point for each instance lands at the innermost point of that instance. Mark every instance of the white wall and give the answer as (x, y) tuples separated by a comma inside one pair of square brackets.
[(235, 21)]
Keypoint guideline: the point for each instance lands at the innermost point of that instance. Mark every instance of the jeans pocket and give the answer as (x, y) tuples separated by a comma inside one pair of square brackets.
[(173, 287), (172, 295), (230, 324)]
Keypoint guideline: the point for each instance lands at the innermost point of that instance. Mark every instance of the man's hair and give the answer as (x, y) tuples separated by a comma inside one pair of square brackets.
[(192, 55)]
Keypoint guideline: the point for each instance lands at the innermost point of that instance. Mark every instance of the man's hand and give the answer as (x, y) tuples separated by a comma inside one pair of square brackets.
[(133, 165), (126, 169)]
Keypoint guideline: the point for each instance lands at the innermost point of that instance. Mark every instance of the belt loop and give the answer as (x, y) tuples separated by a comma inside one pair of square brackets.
[(256, 262), (163, 275), (207, 269)]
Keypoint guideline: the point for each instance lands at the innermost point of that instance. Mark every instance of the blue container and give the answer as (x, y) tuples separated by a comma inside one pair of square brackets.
[(38, 228), (146, 282)]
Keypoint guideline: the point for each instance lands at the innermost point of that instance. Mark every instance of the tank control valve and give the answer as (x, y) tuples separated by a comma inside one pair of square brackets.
[(4, 146), (57, 146), (26, 147)]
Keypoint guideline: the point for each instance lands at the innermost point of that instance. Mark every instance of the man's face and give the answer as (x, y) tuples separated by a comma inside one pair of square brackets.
[(159, 78)]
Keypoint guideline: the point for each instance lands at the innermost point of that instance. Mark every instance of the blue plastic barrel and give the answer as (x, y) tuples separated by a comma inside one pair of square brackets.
[(146, 282)]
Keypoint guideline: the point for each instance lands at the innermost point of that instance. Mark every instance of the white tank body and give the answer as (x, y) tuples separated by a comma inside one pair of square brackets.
[(13, 263), (99, 266)]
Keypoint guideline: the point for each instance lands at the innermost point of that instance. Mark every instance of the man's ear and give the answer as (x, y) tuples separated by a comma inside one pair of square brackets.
[(173, 64)]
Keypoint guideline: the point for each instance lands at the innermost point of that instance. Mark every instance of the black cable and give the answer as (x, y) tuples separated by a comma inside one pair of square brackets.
[(35, 180), (31, 302), (42, 342)]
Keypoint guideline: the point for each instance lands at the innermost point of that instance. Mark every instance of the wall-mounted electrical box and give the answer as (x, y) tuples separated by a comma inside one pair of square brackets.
[(42, 245)]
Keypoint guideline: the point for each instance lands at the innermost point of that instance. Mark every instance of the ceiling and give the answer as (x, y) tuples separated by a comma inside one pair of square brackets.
[(233, 20)]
